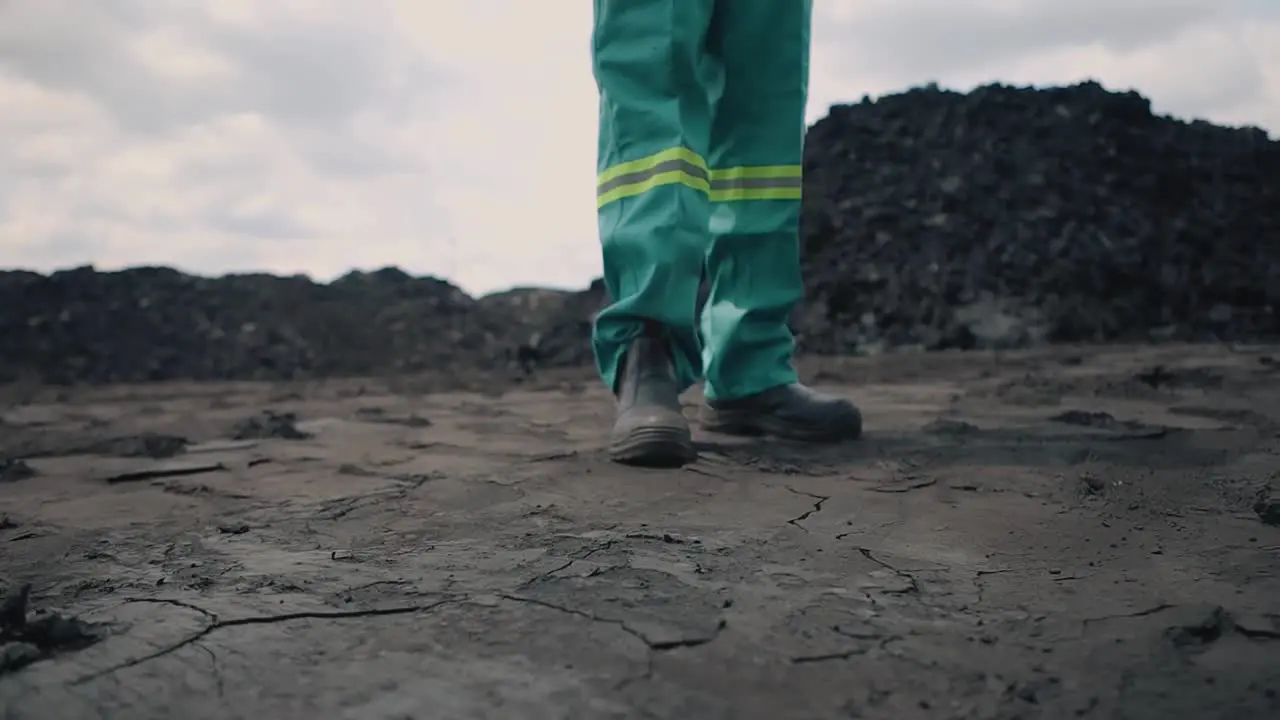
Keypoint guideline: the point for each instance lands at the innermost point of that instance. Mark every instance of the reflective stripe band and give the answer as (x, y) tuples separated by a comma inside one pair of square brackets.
[(681, 166), (663, 168), (752, 172), (673, 177), (666, 166), (757, 182), (646, 164), (674, 166), (768, 193)]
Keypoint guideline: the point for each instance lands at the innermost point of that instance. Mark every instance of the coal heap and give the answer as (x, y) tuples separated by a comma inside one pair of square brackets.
[(1007, 216), (1002, 217), (149, 324)]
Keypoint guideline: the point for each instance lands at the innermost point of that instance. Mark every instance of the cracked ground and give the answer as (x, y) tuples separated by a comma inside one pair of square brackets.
[(1085, 533)]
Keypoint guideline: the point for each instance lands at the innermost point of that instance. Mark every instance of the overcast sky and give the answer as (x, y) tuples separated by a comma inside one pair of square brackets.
[(457, 137)]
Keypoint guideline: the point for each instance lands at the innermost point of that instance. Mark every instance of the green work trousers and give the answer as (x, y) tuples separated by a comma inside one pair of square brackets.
[(702, 127)]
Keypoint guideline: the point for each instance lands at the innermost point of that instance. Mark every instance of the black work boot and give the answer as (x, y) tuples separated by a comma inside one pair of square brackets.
[(791, 412), (650, 430)]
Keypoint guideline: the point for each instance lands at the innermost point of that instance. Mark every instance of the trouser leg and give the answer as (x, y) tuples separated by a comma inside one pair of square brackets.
[(755, 155), (650, 66)]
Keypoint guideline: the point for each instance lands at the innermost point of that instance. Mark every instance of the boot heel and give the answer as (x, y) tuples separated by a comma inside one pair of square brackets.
[(654, 447), (730, 423)]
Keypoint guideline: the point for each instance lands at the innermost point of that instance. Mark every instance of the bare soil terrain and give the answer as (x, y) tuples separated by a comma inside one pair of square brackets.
[(1075, 533)]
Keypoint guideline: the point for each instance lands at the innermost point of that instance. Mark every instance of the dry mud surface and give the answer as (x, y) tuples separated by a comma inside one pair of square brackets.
[(1070, 534)]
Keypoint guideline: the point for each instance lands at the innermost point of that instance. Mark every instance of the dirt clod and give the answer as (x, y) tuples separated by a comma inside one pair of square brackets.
[(13, 470), (1267, 506), (145, 445), (25, 639), (269, 424)]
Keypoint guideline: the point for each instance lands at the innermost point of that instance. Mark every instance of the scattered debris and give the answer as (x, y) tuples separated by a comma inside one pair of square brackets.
[(163, 470), (13, 470), (218, 446), (176, 487), (1267, 506), (145, 445), (378, 415), (1155, 377), (267, 425), (1130, 429), (1197, 627), (354, 470), (25, 639), (904, 483), (1093, 484), (953, 428), (1084, 418)]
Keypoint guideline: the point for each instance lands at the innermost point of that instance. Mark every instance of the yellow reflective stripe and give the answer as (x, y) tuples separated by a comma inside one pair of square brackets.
[(681, 166), (670, 177), (757, 171), (765, 193), (648, 163), (757, 182)]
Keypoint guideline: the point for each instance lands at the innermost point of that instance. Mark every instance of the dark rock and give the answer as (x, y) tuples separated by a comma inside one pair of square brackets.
[(1093, 484), (1267, 506), (283, 426), (1084, 418), (146, 445), (1010, 216), (17, 655), (145, 324), (13, 611), (25, 639), (13, 470), (944, 426)]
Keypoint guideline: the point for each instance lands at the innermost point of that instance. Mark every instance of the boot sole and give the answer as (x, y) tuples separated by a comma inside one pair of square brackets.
[(728, 422), (658, 447)]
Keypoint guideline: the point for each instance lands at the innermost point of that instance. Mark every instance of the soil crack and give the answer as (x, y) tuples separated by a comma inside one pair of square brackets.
[(884, 641), (819, 501), (654, 645), (215, 669), (913, 587), (1124, 616), (217, 624)]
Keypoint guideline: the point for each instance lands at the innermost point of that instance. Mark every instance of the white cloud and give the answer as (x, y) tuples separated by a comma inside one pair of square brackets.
[(318, 135)]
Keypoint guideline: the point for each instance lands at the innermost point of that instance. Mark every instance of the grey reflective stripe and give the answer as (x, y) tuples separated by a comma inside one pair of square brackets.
[(756, 183), (641, 175)]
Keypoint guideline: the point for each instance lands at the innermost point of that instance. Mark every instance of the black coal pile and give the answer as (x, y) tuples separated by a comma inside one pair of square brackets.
[(1009, 216), (562, 334), (1002, 217), (157, 324), (559, 325)]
